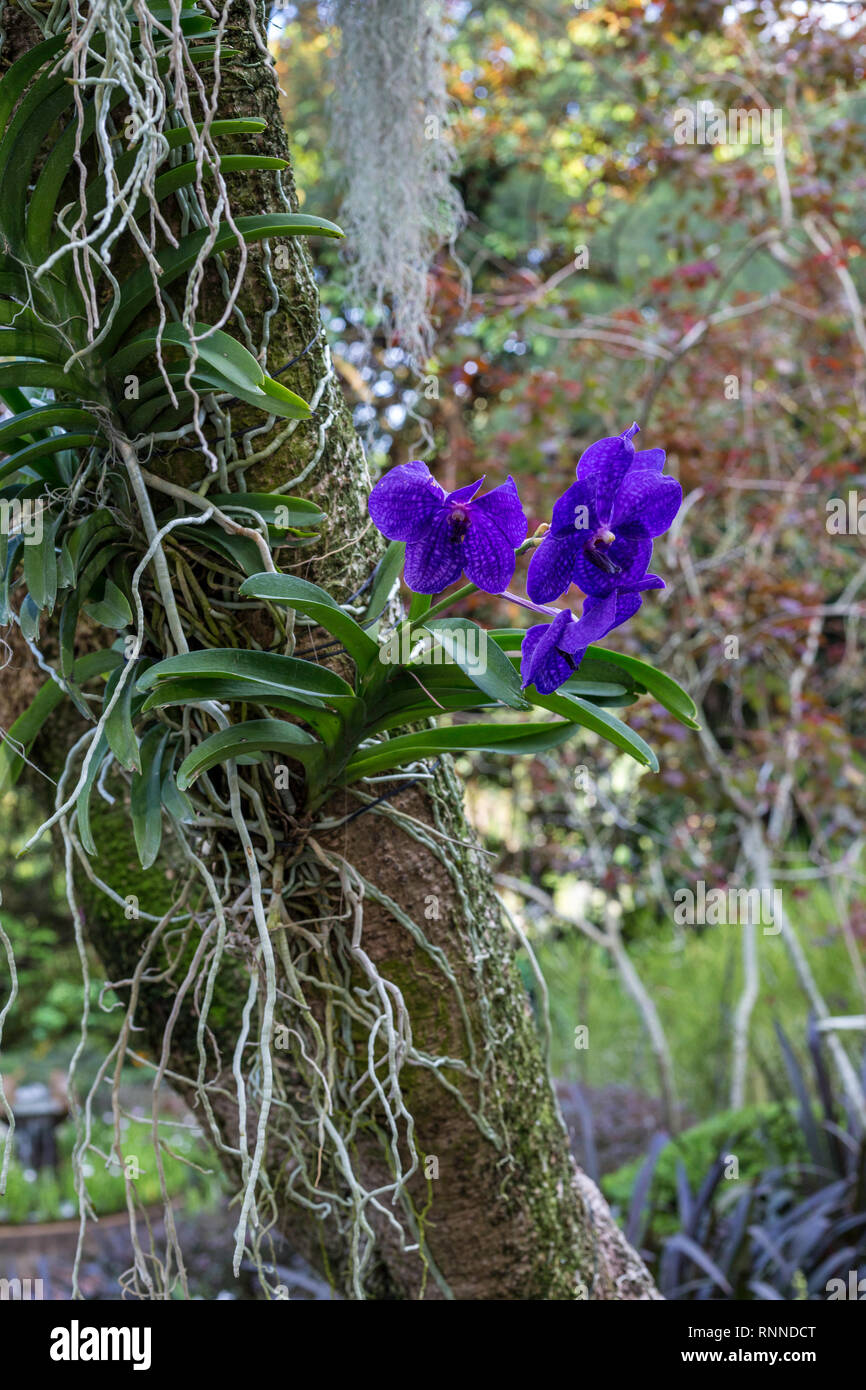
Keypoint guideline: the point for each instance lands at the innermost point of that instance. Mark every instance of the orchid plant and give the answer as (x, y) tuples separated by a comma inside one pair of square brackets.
[(428, 668), (410, 678)]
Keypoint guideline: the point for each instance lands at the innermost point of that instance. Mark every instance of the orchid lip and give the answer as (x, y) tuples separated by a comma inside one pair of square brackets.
[(458, 522)]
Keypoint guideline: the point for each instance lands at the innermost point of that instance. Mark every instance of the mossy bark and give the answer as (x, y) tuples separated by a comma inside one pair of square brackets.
[(507, 1217)]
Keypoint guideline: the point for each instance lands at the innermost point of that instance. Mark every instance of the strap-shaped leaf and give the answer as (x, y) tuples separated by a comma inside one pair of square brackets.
[(24, 427), (178, 805), (481, 660), (253, 736), (213, 347), (43, 448), (464, 738), (599, 721), (418, 606), (451, 701), (43, 374), (160, 412), (387, 572), (11, 546), (47, 97), (45, 101), (119, 729), (286, 675), (317, 604), (137, 290), (279, 511), (82, 805), (146, 796), (20, 74), (178, 136), (180, 691), (665, 689), (183, 175), (40, 564)]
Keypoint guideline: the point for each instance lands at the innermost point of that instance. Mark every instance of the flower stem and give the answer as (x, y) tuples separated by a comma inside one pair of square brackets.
[(444, 603)]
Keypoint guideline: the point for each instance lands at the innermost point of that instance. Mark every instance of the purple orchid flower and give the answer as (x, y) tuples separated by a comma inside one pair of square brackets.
[(449, 534), (551, 652), (602, 529)]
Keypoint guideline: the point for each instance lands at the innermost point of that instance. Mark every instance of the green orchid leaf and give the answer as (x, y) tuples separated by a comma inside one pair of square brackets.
[(43, 448), (11, 547), (176, 802), (82, 805), (242, 740), (137, 290), (146, 796), (514, 739), (280, 512), (388, 571), (184, 175), (183, 690), (317, 604), (303, 681), (40, 564), (599, 721), (119, 728), (645, 677), (112, 610), (408, 712), (418, 606), (486, 665)]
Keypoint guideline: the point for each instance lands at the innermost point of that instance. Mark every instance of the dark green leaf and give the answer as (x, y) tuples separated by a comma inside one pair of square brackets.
[(600, 722), (146, 796), (137, 291), (254, 736), (487, 738), (82, 805), (387, 572), (317, 604), (481, 660), (112, 610), (181, 691), (663, 687), (118, 727), (284, 675)]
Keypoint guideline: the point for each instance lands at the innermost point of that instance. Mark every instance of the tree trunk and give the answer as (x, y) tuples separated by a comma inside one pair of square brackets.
[(497, 1210)]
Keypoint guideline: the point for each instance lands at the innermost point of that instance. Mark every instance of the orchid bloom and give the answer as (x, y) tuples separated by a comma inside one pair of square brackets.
[(449, 534), (602, 529)]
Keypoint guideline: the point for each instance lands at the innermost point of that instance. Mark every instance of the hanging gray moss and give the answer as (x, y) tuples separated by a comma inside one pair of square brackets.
[(390, 115)]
